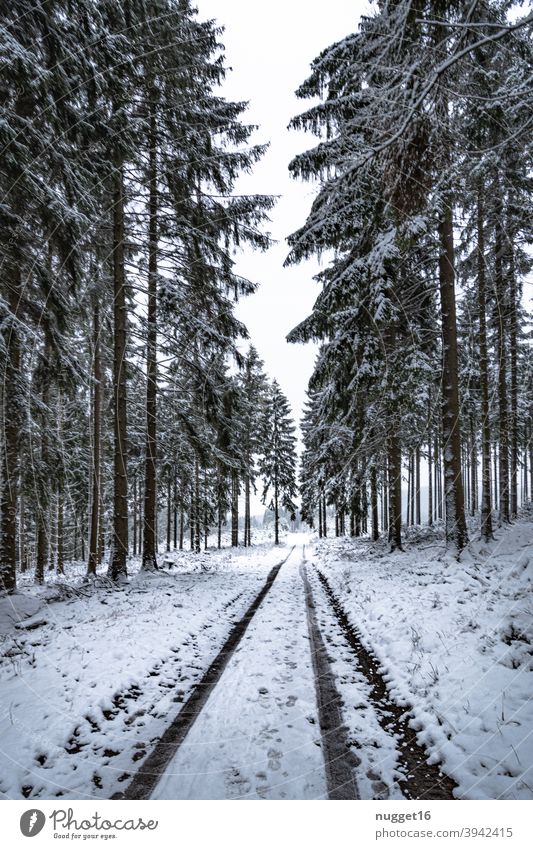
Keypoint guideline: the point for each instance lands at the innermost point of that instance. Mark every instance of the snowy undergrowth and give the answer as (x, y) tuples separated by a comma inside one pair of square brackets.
[(91, 675), (455, 642)]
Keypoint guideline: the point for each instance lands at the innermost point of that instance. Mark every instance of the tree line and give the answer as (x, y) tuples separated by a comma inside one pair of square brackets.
[(124, 384), (423, 213)]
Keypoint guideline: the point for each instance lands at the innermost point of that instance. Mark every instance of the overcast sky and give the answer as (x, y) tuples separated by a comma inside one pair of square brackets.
[(269, 47)]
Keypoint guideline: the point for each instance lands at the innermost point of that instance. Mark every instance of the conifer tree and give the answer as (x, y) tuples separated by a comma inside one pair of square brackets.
[(277, 462)]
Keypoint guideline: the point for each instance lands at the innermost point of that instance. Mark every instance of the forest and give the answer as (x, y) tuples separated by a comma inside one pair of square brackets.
[(124, 388), (131, 415)]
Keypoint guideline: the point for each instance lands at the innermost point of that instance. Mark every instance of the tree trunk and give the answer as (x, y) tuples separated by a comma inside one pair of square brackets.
[(276, 510), (43, 513), (417, 487), (12, 426), (119, 552), (169, 512), (247, 517), (175, 511), (82, 535), (206, 514), (395, 491), (374, 502), (149, 558), (385, 489), (101, 528), (456, 534), (234, 508), (501, 347), (513, 345), (60, 566), (135, 514), (496, 490), (408, 510), (96, 450), (23, 550), (430, 480)]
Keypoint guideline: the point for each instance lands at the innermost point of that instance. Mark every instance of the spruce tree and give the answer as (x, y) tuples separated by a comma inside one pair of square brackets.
[(277, 461)]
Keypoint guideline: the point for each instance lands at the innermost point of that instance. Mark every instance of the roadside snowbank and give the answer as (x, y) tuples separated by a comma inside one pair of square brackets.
[(455, 642), (90, 674)]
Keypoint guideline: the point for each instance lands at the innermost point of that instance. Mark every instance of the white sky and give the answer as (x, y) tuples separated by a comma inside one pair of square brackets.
[(269, 47)]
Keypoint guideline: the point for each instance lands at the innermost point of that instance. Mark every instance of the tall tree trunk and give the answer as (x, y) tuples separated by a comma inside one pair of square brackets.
[(60, 566), (395, 491), (12, 426), (175, 534), (417, 486), (531, 453), (234, 508), (358, 510), (53, 534), (324, 517), (456, 534), (169, 512), (501, 347), (513, 346), (473, 467), (430, 481), (247, 517), (276, 508), (408, 510), (496, 490), (43, 512), (197, 529), (149, 558), (96, 450), (135, 514), (374, 502), (206, 515), (119, 551), (191, 519), (82, 535), (385, 490), (23, 549)]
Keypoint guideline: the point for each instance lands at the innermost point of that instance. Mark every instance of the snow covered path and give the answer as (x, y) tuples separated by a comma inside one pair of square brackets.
[(415, 657), (258, 736)]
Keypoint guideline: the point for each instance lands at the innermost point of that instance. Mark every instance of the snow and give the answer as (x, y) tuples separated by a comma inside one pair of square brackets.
[(455, 642), (86, 693), (258, 735), (91, 674)]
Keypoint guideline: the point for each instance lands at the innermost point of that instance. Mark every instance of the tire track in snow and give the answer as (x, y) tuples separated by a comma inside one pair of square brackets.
[(339, 760), (423, 780), (153, 767)]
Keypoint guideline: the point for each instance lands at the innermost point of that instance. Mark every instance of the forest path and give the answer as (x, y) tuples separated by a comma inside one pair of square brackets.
[(293, 707), (258, 735)]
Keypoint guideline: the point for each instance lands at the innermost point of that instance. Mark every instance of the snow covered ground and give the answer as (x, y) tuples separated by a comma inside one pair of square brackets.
[(455, 643), (258, 735), (91, 675)]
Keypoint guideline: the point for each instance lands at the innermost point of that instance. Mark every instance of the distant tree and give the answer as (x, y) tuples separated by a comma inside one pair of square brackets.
[(277, 461), (253, 384)]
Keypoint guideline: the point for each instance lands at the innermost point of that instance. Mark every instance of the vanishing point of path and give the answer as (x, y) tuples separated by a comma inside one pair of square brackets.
[(266, 720)]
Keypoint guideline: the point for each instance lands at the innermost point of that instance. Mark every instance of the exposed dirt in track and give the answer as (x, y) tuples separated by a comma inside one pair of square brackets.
[(339, 760), (423, 780), (152, 768)]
